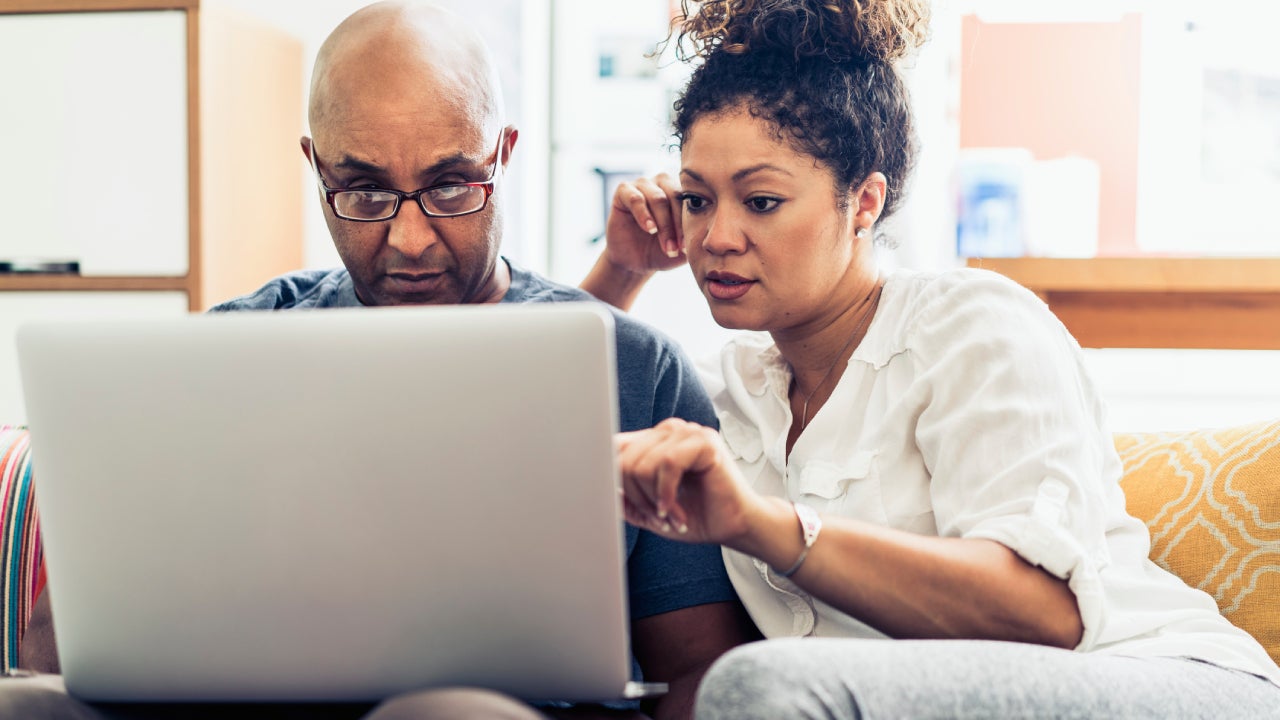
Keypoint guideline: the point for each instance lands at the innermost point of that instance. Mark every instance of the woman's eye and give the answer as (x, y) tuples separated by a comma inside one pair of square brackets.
[(763, 204), (693, 203)]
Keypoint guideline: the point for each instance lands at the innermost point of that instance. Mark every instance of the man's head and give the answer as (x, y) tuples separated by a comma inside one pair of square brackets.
[(404, 96)]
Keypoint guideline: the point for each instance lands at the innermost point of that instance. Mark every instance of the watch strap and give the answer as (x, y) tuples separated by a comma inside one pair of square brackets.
[(810, 526)]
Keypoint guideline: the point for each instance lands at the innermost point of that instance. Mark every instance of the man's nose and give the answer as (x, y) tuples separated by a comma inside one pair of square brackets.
[(411, 232)]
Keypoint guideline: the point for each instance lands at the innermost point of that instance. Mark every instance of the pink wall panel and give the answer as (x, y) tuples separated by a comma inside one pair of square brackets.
[(1060, 89)]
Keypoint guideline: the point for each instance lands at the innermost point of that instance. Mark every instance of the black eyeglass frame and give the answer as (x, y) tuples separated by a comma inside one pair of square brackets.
[(486, 185)]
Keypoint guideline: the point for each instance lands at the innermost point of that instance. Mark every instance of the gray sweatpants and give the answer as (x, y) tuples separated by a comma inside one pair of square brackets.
[(892, 679)]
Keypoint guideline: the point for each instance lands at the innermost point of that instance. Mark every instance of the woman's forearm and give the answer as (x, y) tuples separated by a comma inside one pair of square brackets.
[(613, 284), (913, 586)]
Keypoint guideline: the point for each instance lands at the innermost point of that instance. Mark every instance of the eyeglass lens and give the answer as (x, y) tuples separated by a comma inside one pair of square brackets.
[(377, 204)]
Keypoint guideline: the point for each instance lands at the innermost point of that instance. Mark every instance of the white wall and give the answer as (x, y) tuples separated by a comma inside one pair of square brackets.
[(1184, 389)]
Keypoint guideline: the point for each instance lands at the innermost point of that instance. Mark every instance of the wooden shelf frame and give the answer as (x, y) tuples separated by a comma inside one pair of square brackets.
[(33, 282), (1221, 303), (47, 6)]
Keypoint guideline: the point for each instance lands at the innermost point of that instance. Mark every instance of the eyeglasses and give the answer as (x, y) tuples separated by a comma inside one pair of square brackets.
[(447, 200)]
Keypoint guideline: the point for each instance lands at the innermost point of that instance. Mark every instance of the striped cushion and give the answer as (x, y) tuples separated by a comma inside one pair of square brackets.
[(21, 566)]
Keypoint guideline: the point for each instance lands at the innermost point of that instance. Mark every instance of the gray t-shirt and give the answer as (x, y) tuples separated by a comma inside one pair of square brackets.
[(655, 381)]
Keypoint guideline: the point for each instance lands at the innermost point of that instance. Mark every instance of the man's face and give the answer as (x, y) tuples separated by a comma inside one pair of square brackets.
[(379, 139)]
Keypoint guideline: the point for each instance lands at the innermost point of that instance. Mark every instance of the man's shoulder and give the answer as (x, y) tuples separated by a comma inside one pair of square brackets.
[(530, 287), (302, 289)]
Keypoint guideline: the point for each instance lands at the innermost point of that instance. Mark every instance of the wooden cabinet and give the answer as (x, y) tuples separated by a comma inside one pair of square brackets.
[(1151, 302), (151, 150)]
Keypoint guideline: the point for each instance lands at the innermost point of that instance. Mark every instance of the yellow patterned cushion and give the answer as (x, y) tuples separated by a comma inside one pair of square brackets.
[(1211, 499)]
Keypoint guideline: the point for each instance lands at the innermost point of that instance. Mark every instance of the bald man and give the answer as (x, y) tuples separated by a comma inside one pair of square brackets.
[(405, 109), (409, 148)]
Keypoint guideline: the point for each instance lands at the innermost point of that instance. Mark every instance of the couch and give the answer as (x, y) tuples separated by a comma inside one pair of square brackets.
[(21, 569), (1211, 499)]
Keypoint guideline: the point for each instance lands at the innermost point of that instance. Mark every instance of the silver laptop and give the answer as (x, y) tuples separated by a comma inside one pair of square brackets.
[(332, 505)]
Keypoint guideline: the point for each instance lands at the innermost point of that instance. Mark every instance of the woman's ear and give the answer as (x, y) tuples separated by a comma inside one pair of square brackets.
[(867, 200)]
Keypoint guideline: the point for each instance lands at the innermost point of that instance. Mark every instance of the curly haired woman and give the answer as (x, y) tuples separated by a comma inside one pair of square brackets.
[(913, 481)]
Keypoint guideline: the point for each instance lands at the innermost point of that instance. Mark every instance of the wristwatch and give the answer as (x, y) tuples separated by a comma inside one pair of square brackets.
[(810, 526)]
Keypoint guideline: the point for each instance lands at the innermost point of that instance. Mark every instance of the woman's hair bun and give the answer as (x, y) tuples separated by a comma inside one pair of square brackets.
[(838, 30)]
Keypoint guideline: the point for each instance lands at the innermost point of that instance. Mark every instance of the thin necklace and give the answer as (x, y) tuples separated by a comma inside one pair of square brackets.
[(804, 413)]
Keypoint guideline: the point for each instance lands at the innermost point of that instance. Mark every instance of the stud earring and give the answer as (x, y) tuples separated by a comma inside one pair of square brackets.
[(863, 233)]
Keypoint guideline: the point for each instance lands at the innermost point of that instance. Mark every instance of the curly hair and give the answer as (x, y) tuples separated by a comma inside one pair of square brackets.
[(820, 72)]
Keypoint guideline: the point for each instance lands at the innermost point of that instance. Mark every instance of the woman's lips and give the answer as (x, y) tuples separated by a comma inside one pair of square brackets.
[(727, 286)]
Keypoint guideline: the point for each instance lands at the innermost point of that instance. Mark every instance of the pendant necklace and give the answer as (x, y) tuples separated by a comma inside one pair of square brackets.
[(804, 413)]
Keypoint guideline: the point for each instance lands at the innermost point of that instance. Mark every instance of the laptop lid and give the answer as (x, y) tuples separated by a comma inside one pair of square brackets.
[(332, 505)]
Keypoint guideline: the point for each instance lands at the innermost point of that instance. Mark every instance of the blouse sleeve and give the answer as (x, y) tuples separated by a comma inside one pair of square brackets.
[(1012, 432)]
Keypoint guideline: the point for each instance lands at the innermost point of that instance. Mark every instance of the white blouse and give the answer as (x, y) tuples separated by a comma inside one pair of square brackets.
[(966, 411)]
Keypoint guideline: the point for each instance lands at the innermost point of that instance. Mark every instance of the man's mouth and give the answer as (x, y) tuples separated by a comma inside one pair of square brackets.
[(415, 282)]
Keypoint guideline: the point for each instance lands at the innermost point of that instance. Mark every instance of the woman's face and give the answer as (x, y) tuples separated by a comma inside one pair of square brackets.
[(767, 244)]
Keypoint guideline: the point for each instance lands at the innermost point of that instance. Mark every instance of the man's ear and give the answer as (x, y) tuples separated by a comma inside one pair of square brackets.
[(305, 142), (509, 144)]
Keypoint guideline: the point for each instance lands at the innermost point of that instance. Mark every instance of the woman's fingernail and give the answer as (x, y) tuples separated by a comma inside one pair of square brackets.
[(683, 529), (652, 227)]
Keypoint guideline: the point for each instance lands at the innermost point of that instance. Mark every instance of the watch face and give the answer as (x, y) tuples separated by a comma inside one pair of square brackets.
[(810, 523)]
